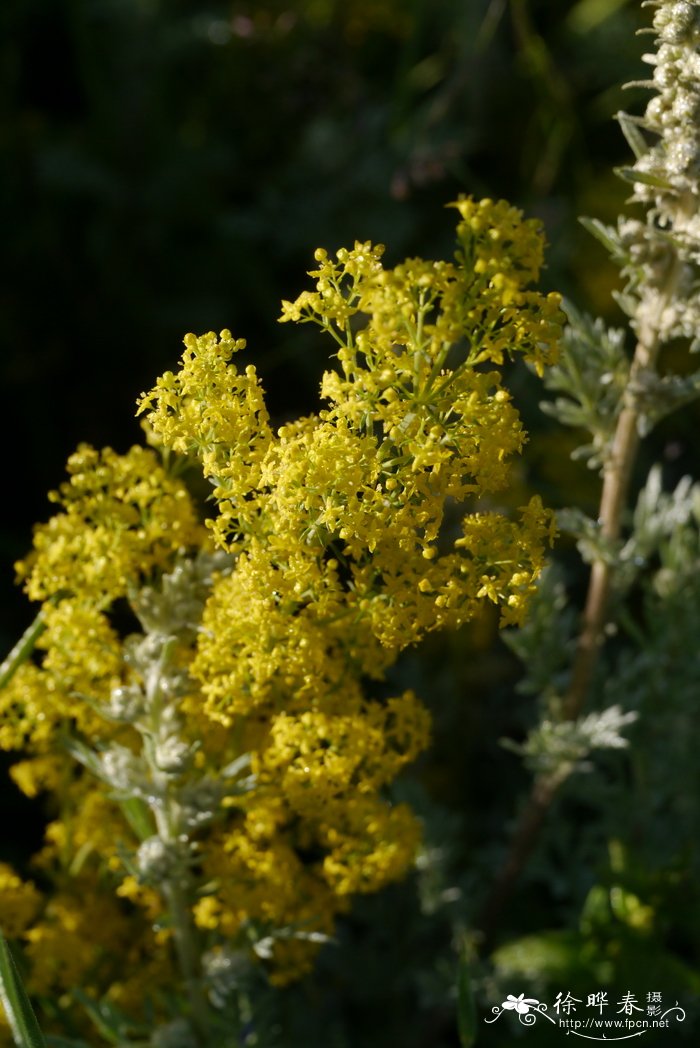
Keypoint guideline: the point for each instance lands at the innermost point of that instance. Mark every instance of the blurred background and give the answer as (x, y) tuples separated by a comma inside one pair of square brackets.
[(169, 166)]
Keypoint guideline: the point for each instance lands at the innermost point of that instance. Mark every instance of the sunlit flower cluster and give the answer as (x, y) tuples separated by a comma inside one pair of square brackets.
[(234, 768), (339, 520)]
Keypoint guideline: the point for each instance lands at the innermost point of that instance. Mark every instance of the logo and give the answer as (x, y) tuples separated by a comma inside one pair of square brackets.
[(599, 1019)]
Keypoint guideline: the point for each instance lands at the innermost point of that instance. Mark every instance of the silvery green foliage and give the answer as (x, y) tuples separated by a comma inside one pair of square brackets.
[(590, 542), (649, 683), (558, 746), (125, 771), (590, 378), (157, 860), (673, 113), (125, 704), (658, 395), (648, 797), (661, 552), (665, 526), (175, 605), (658, 530), (173, 800), (561, 747)]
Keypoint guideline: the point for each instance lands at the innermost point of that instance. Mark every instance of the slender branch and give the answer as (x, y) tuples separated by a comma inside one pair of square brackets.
[(545, 787), (616, 481), (524, 837)]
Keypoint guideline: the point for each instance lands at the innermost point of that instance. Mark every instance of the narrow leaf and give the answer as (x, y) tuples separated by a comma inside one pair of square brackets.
[(85, 756), (588, 14), (100, 1016), (138, 816), (20, 1015), (635, 138), (22, 650), (630, 174), (236, 766)]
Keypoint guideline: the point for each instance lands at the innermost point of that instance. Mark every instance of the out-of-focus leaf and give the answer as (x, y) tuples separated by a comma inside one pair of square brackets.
[(632, 175), (26, 1031)]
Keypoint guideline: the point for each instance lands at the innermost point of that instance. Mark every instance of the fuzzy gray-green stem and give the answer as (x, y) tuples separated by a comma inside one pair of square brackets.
[(174, 886), (184, 934)]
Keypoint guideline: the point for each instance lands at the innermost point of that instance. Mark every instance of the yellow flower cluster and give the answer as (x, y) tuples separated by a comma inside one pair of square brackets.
[(348, 535), (123, 517), (83, 661), (86, 939), (345, 554), (212, 411), (80, 934), (315, 757)]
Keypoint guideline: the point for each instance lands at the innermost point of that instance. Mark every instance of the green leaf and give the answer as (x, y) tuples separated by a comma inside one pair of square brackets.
[(138, 816), (635, 138), (20, 1015), (466, 1007), (113, 1024), (586, 15), (103, 1015), (546, 954), (236, 766), (630, 174), (84, 755), (22, 650)]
